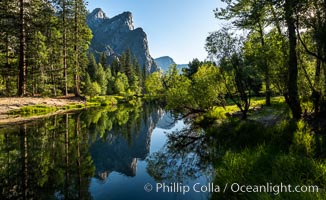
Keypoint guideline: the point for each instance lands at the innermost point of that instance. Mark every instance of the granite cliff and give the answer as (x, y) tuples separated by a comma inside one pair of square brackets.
[(114, 36)]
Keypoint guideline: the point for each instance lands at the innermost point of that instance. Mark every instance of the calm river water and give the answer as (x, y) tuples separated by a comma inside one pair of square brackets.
[(99, 154)]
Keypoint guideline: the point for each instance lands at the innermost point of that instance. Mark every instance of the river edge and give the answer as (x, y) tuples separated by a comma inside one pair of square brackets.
[(12, 108)]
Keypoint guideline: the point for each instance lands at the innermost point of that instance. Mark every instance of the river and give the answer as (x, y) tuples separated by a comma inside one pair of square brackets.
[(100, 154), (141, 152)]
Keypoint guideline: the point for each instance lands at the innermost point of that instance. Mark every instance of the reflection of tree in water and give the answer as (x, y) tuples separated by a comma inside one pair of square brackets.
[(45, 159), (55, 158), (185, 155)]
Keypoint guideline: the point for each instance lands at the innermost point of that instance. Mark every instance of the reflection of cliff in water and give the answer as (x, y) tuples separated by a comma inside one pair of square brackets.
[(119, 151), (167, 121)]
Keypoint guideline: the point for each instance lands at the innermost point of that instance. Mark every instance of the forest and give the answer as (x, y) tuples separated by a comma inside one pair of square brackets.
[(252, 113), (267, 48), (45, 52)]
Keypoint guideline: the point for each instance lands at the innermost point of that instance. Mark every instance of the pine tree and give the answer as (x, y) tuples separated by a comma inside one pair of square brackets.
[(103, 60), (22, 81), (8, 31), (92, 67)]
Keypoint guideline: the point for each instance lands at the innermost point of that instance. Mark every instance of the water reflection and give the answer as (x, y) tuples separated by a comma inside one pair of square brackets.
[(85, 155), (122, 146), (44, 159), (185, 154)]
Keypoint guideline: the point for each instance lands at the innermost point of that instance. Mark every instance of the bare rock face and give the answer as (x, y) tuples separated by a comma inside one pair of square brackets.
[(165, 62), (114, 36)]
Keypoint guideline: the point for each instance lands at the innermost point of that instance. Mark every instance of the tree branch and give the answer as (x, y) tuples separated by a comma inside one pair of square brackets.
[(305, 46)]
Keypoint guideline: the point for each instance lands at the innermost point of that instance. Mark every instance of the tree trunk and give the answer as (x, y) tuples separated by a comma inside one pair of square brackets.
[(22, 52), (316, 91), (266, 68), (294, 102), (64, 37), (77, 78), (6, 74)]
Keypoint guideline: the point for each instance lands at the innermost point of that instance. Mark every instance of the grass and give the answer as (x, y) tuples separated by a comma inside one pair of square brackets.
[(277, 109), (34, 110), (250, 153)]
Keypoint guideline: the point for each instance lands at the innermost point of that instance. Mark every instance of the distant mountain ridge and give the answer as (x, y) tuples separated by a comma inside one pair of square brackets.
[(165, 62), (114, 36)]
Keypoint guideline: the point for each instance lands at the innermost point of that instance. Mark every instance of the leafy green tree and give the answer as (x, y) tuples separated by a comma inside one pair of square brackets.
[(121, 83), (91, 88), (193, 67), (252, 15), (207, 83), (110, 81), (101, 79), (179, 95), (170, 77), (153, 84), (236, 75)]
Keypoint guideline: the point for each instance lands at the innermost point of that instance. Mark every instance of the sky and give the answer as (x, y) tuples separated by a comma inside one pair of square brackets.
[(175, 28)]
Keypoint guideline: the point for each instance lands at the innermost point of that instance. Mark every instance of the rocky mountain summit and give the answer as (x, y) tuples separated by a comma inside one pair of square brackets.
[(165, 62), (114, 36)]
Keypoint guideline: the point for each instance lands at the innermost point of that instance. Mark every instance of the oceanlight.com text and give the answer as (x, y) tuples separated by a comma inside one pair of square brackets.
[(233, 187)]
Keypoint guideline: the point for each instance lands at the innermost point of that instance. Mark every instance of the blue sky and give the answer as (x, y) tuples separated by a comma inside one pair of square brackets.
[(175, 28)]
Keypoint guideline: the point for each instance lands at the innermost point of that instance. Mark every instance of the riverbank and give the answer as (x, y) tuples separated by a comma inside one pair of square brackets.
[(23, 109)]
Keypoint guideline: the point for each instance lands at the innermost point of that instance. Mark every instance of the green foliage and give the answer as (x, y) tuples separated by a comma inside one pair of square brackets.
[(153, 84), (303, 140), (121, 83), (207, 83), (104, 100), (93, 89), (123, 77), (92, 68), (282, 153), (47, 37), (261, 165), (34, 110), (178, 94), (101, 79)]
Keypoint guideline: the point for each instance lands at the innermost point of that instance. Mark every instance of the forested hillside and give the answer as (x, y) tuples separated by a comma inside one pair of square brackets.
[(43, 47)]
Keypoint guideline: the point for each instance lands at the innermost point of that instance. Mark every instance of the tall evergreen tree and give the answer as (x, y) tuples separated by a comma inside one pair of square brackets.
[(22, 81)]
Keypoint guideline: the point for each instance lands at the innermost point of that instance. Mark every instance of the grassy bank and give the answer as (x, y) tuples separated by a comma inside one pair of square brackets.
[(43, 109), (267, 148)]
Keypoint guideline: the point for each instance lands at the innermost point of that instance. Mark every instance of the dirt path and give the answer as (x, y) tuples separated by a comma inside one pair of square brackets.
[(14, 103)]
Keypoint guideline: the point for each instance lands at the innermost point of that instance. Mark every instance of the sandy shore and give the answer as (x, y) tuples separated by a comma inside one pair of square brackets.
[(13, 103)]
